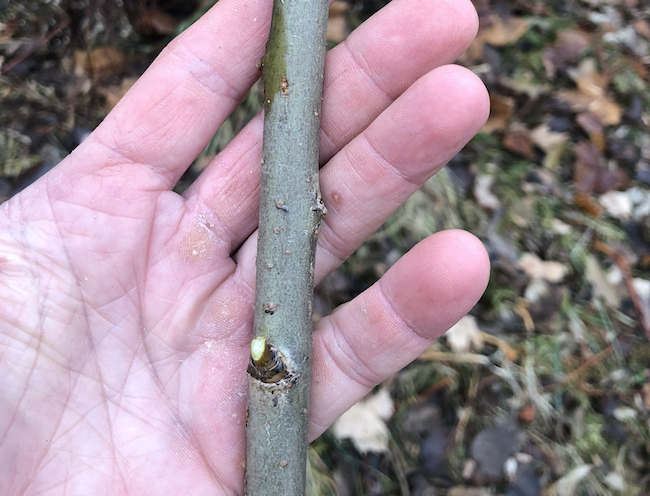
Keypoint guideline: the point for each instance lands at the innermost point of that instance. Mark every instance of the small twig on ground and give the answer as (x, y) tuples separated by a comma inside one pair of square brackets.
[(503, 373), (624, 265), (534, 8), (399, 465), (426, 394), (441, 356), (465, 413), (582, 370), (510, 353), (44, 40)]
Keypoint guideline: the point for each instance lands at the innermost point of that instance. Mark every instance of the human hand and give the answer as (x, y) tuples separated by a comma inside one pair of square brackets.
[(126, 312)]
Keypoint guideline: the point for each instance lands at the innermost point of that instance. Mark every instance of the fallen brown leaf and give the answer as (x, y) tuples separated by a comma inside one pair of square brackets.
[(590, 174), (100, 63), (586, 203), (607, 109), (593, 126), (149, 20), (519, 142), (338, 8), (337, 26), (524, 83), (569, 45), (642, 27), (114, 93), (591, 94), (484, 11), (504, 32), (336, 29), (496, 32), (553, 143), (501, 110)]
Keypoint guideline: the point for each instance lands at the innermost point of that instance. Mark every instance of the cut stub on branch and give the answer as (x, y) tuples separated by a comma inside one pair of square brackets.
[(266, 363)]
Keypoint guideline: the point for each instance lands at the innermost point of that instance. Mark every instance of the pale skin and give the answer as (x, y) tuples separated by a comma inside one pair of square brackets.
[(126, 309)]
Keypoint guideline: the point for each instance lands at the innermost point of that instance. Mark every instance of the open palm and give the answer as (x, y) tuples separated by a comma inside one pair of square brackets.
[(126, 309)]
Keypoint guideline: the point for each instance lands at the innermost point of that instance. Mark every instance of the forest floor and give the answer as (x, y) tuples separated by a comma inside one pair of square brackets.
[(545, 388)]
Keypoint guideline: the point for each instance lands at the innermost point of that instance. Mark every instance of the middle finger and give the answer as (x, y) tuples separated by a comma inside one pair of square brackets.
[(363, 76), (376, 172)]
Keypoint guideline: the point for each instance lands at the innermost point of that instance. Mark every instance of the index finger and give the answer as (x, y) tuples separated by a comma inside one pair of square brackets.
[(178, 104)]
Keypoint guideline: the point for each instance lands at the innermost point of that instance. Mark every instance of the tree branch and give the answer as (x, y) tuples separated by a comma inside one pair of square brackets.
[(291, 209)]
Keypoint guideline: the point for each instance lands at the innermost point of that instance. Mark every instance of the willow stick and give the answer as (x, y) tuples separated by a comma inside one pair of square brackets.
[(291, 209)]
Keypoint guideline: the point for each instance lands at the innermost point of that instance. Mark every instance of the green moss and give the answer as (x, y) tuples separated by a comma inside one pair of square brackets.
[(499, 298), (14, 154), (588, 436), (542, 349), (319, 480)]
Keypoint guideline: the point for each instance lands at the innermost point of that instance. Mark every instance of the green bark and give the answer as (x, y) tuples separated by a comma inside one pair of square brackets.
[(290, 212)]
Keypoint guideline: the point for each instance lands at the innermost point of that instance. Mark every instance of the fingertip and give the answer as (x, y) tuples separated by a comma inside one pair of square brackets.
[(436, 283), (471, 17), (474, 262), (370, 338), (465, 90), (438, 114), (465, 18), (461, 16), (480, 96)]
